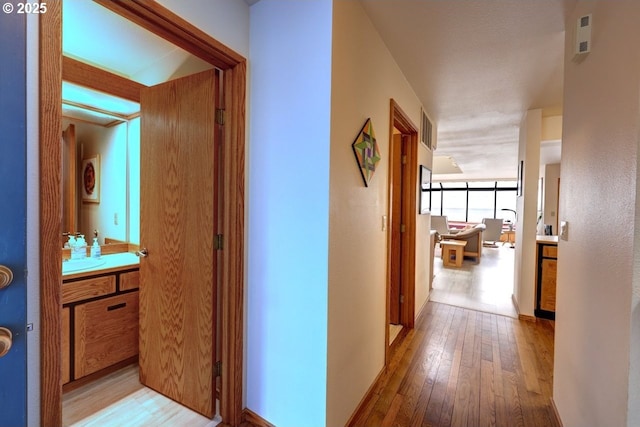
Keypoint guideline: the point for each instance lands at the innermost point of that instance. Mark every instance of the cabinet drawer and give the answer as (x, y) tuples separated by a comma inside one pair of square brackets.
[(89, 288), (106, 332), (130, 280), (550, 251)]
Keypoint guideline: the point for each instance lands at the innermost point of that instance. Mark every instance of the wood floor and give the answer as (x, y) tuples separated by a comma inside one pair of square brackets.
[(461, 367), (119, 400)]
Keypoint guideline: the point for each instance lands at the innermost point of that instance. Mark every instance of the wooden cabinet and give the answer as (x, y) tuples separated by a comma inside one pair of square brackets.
[(547, 265), (99, 323), (105, 333)]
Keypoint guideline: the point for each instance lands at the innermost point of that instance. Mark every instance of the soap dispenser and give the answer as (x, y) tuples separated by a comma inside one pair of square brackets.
[(95, 249)]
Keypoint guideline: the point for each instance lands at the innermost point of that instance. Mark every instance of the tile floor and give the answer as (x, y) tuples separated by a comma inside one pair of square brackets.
[(486, 286)]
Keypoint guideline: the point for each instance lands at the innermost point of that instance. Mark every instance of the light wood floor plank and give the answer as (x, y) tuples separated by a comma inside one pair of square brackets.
[(119, 400)]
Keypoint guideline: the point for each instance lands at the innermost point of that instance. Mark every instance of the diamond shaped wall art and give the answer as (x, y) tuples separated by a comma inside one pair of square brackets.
[(367, 152)]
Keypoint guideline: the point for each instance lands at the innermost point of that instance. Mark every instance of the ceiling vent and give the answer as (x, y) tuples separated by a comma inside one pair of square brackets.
[(583, 34), (426, 131)]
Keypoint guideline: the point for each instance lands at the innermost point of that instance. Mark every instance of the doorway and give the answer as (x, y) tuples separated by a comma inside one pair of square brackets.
[(158, 20), (401, 253)]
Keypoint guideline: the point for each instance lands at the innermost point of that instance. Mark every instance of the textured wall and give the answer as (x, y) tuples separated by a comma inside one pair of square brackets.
[(598, 193)]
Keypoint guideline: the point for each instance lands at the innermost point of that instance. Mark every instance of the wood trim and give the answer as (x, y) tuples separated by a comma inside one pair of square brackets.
[(254, 419), (158, 19), (166, 24), (233, 254), (556, 414), (399, 120), (364, 402), (50, 111), (521, 316), (82, 74)]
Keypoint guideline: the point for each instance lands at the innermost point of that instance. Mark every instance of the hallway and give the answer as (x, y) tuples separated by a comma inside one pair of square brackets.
[(460, 367)]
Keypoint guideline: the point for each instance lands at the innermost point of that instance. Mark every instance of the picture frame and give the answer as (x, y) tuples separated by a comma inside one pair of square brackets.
[(90, 179), (425, 190), (367, 152)]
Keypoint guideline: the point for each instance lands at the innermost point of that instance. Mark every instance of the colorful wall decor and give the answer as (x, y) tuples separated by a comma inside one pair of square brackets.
[(367, 151), (90, 179)]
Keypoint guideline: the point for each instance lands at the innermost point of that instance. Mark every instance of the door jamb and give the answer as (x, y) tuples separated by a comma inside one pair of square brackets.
[(161, 21), (403, 123)]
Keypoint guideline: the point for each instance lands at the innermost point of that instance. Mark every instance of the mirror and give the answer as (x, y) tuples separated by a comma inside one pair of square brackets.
[(107, 128), (101, 141)]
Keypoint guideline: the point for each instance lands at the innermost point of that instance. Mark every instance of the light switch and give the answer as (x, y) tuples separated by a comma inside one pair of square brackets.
[(384, 223), (564, 230)]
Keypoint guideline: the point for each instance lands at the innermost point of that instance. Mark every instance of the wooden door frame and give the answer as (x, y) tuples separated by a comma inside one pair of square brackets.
[(159, 20), (399, 120)]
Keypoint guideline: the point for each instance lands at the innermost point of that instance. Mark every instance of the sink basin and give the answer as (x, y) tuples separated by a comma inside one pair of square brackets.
[(81, 264)]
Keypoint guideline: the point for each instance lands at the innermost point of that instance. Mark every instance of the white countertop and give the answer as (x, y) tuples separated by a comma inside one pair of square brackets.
[(104, 264), (546, 239)]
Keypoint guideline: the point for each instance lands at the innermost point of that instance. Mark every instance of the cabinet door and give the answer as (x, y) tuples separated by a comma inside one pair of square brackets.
[(548, 284), (106, 332)]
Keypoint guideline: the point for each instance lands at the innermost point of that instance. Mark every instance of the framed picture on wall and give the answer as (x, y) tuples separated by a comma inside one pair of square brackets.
[(90, 179)]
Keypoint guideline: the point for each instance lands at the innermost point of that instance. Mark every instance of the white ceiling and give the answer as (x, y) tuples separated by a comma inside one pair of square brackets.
[(97, 36), (478, 66)]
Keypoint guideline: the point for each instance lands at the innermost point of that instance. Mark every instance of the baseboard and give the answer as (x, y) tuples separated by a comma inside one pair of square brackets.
[(365, 400), (254, 419), (521, 316), (424, 305), (556, 414)]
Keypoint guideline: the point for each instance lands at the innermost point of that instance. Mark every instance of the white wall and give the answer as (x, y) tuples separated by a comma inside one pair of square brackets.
[(288, 210), (365, 78), (526, 206), (111, 144), (225, 20), (133, 189), (551, 176), (596, 359)]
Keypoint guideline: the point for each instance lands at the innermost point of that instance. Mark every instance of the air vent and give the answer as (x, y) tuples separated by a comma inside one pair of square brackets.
[(426, 131), (585, 21), (583, 34)]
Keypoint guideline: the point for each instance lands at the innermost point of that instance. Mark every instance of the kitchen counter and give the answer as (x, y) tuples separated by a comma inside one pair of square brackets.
[(546, 239), (72, 269)]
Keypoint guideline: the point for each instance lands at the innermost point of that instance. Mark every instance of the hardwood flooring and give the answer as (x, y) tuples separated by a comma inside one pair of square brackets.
[(461, 367), (119, 400)]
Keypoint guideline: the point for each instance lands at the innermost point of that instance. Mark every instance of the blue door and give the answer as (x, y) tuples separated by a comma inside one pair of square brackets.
[(13, 365)]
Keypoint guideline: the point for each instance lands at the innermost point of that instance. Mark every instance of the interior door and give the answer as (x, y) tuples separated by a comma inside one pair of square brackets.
[(396, 230), (177, 229), (13, 255)]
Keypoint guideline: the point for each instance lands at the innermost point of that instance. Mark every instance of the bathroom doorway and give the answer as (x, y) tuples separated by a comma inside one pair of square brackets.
[(158, 19)]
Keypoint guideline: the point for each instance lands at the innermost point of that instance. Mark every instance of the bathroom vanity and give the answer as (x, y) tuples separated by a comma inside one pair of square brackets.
[(99, 316)]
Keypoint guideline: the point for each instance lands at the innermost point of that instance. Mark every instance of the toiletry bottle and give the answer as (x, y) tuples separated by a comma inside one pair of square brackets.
[(72, 246), (81, 247), (95, 249)]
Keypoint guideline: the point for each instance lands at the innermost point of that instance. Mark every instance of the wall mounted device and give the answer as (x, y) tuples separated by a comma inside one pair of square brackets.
[(583, 34)]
